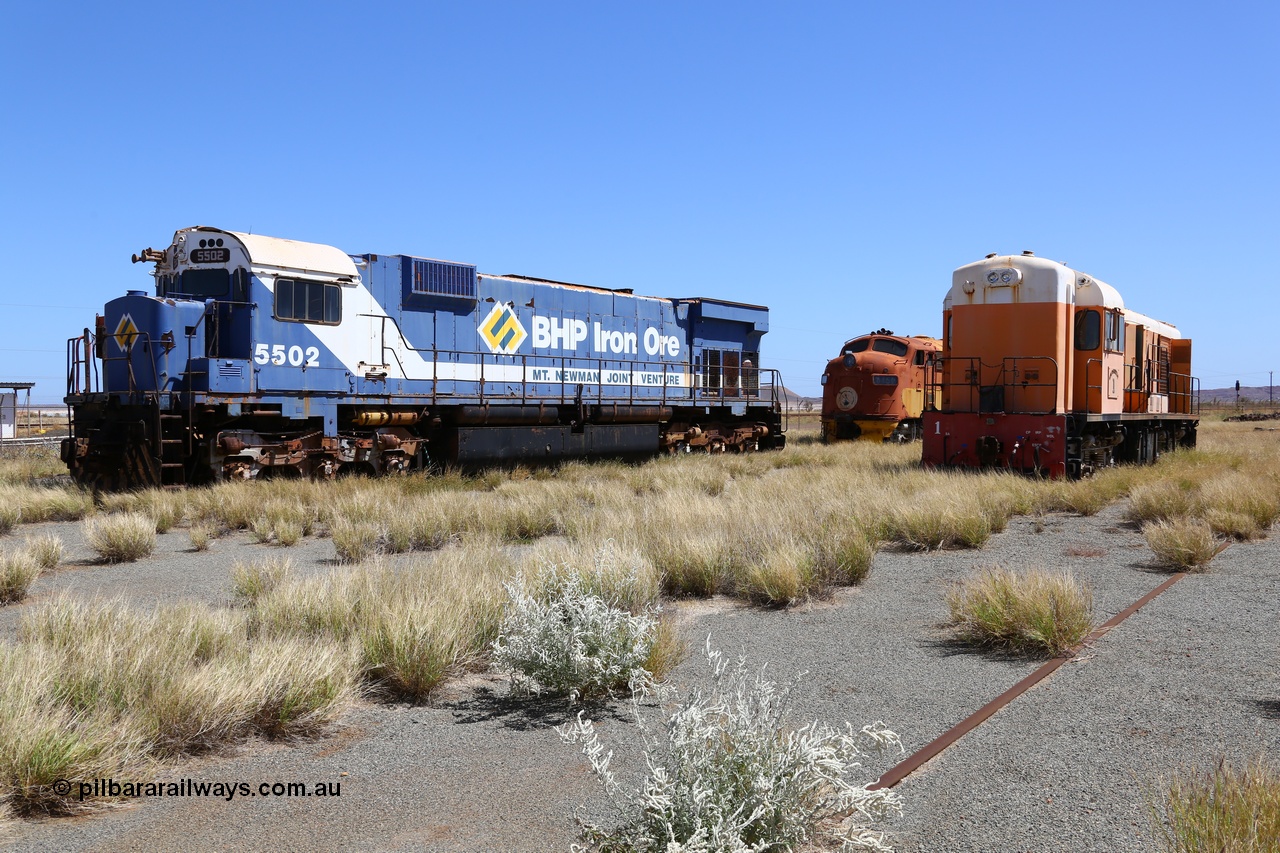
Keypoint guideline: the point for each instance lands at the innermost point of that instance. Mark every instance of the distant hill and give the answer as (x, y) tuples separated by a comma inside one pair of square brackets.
[(795, 402), (1253, 393)]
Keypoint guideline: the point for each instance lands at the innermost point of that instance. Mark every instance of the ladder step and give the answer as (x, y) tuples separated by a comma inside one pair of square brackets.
[(172, 465), (171, 441)]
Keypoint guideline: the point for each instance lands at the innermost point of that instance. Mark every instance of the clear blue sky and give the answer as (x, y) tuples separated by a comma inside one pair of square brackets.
[(832, 161)]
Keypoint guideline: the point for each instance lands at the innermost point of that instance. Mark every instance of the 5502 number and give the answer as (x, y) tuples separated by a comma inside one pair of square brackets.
[(279, 354)]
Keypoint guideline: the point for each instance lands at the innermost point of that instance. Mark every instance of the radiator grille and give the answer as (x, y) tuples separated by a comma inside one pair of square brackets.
[(440, 278)]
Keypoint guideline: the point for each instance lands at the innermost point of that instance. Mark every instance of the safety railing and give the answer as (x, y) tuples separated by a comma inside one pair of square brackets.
[(82, 366), (1184, 394), (613, 381), (1007, 387)]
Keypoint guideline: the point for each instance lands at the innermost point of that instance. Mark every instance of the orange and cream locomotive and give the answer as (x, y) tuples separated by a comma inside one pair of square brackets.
[(1043, 369), (875, 388)]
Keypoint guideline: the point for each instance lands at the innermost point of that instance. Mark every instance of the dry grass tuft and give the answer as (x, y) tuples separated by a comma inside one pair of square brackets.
[(1186, 545), (1162, 500), (1225, 810), (38, 504), (1035, 612), (122, 537), (251, 581), (931, 528), (201, 534), (96, 689), (10, 516), (18, 571), (669, 649), (1241, 506), (843, 553), (46, 550), (412, 627), (42, 741), (783, 576), (355, 541)]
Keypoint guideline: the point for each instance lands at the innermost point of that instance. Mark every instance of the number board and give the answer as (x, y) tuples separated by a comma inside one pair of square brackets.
[(210, 256)]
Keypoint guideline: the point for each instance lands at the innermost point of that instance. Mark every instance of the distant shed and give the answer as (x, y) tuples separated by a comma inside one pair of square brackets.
[(9, 407)]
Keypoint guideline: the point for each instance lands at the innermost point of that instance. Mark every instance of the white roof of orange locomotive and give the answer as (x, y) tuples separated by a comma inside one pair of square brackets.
[(1025, 278), (1158, 326)]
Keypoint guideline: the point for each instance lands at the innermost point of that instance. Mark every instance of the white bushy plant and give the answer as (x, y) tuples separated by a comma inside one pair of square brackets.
[(561, 637), (726, 774)]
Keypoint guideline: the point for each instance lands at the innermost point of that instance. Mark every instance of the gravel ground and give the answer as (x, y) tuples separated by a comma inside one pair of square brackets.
[(1068, 766)]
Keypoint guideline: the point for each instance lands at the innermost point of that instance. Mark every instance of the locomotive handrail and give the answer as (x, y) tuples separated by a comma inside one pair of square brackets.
[(745, 390), (143, 338), (1187, 396), (1006, 377), (80, 353)]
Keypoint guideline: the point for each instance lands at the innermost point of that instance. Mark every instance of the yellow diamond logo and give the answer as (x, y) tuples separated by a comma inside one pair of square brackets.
[(126, 333), (502, 331)]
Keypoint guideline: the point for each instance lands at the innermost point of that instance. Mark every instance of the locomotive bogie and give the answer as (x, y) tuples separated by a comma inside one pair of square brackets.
[(265, 357)]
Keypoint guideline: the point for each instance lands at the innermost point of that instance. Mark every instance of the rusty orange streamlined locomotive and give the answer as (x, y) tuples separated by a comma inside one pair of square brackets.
[(1044, 369), (875, 388)]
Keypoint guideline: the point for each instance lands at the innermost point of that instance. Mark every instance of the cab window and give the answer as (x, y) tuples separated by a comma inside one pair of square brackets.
[(892, 347), (202, 284), (308, 301), (1088, 330), (859, 345), (1115, 331)]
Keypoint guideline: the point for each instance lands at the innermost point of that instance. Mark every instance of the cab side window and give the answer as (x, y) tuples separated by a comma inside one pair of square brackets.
[(1088, 330), (1115, 331), (308, 301)]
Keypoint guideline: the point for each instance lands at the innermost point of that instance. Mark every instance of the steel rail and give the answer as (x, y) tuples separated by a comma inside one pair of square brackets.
[(935, 747)]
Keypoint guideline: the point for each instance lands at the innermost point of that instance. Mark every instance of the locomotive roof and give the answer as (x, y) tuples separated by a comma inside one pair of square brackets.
[(627, 291), (289, 254), (569, 284)]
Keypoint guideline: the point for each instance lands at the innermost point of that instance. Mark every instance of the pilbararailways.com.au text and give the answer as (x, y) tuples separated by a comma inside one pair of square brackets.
[(228, 791)]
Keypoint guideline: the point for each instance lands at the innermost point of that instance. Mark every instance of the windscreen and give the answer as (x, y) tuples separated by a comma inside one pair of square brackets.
[(203, 284)]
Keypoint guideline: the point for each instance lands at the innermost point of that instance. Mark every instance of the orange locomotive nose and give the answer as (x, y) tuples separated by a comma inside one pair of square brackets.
[(874, 389)]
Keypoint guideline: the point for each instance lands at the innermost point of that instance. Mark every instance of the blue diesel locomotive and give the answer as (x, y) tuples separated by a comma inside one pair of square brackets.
[(263, 357)]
